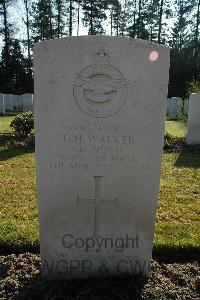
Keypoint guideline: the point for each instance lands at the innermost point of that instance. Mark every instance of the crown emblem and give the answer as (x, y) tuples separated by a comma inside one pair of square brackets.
[(101, 58), (100, 89)]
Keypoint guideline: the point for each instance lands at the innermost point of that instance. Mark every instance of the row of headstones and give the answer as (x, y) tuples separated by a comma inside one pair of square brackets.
[(193, 123), (191, 107), (9, 102), (175, 107)]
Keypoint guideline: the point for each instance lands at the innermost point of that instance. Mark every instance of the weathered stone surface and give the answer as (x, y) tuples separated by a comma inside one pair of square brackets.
[(99, 116)]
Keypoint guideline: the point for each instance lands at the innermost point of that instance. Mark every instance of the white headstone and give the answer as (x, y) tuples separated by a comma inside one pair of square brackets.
[(15, 101), (186, 106), (99, 117), (2, 106), (193, 126), (175, 108), (27, 102), (168, 106), (19, 99), (180, 108), (8, 101)]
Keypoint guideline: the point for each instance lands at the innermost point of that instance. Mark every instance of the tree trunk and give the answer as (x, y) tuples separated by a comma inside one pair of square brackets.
[(70, 18), (59, 17), (78, 18), (196, 36), (50, 19), (6, 34), (28, 35), (134, 18), (91, 18), (160, 21), (111, 22), (139, 17)]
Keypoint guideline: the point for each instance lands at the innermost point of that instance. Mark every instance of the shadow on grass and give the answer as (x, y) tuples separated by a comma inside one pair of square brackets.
[(110, 288), (188, 160), (7, 248), (7, 153), (12, 113), (165, 254), (171, 254)]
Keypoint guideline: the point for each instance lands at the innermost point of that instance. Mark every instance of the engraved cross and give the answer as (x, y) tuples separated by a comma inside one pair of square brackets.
[(97, 201)]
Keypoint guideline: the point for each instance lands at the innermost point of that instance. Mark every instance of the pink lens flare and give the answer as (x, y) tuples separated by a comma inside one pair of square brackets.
[(153, 56)]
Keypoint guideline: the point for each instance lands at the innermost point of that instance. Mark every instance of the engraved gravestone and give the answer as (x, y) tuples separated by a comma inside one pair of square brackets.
[(99, 118)]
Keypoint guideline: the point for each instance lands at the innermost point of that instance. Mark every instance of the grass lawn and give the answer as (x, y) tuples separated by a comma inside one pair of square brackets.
[(176, 128), (5, 123), (178, 218)]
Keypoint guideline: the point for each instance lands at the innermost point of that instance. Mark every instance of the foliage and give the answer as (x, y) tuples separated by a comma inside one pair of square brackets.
[(94, 15), (23, 123), (170, 22), (168, 139), (193, 87), (13, 70)]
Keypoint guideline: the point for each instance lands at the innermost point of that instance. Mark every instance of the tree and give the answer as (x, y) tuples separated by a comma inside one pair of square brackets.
[(196, 62), (138, 19), (60, 13), (94, 14), (78, 14), (28, 41), (6, 31), (42, 27), (160, 20), (18, 78), (114, 8)]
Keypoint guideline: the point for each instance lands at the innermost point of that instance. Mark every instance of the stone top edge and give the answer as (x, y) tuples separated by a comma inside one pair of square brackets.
[(101, 37)]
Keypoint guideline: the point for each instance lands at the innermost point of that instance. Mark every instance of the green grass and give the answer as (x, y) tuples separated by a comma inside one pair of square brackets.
[(177, 129), (178, 218), (5, 123), (18, 210)]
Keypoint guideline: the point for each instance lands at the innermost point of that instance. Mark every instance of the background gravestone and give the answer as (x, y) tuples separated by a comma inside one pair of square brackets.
[(99, 117), (27, 102), (19, 99), (8, 101), (193, 125), (176, 106), (15, 101), (186, 106), (2, 106), (168, 103)]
